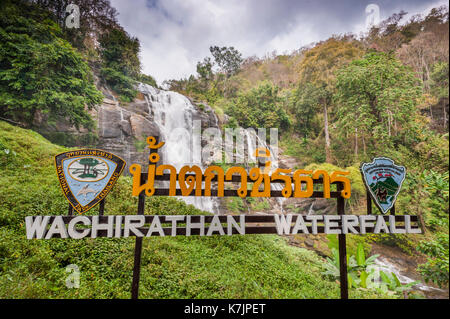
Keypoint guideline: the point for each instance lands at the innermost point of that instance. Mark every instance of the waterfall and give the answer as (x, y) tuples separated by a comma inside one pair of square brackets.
[(253, 139), (251, 147), (311, 209), (174, 115)]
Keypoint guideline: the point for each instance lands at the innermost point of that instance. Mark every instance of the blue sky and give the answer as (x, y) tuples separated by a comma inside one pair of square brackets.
[(176, 34)]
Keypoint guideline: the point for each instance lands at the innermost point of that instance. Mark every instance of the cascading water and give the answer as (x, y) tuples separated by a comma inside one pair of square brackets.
[(174, 115), (384, 264), (253, 139)]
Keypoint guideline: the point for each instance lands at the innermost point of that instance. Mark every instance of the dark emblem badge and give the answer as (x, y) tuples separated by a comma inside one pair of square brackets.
[(383, 179), (87, 176)]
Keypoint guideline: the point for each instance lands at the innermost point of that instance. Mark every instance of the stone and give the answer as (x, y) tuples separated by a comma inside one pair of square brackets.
[(109, 118), (141, 127), (126, 127), (309, 242)]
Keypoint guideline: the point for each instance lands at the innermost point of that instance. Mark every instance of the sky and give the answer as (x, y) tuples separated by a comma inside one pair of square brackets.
[(176, 34)]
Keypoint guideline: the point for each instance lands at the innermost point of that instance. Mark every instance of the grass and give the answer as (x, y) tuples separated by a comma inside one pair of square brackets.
[(251, 266)]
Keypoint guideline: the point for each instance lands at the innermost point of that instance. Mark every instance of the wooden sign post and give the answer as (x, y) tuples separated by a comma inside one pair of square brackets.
[(138, 243), (343, 276)]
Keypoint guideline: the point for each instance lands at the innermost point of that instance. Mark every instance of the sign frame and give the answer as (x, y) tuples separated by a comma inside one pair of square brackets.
[(142, 189)]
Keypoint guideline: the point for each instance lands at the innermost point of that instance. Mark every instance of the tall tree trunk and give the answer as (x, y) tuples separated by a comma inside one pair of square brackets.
[(327, 134), (427, 74), (445, 114), (356, 143), (364, 144), (389, 122)]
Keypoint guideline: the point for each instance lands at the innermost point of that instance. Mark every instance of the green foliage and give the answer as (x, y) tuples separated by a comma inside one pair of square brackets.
[(227, 58), (120, 83), (259, 107), (121, 66), (377, 97), (39, 71), (439, 78), (358, 189), (436, 268), (235, 204), (147, 79), (436, 187), (320, 63), (120, 52), (305, 150), (172, 267), (7, 156), (258, 204), (391, 282), (361, 272), (211, 85), (332, 266), (358, 267), (306, 102), (70, 140), (95, 18), (204, 69)]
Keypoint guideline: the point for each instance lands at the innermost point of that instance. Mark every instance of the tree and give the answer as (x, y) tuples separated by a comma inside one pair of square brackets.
[(259, 107), (148, 79), (96, 17), (419, 43), (318, 67), (120, 52), (204, 69), (227, 58), (306, 103), (39, 71), (88, 163), (439, 87), (436, 268), (377, 97), (120, 58), (387, 36)]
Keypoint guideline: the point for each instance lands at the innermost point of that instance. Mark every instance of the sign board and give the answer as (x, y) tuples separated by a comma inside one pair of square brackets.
[(118, 226), (383, 180), (87, 176)]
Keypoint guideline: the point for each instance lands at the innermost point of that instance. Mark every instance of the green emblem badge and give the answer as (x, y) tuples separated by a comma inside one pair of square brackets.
[(87, 176), (383, 180)]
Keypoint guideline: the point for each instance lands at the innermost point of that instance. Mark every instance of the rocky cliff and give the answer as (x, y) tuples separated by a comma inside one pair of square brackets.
[(123, 127)]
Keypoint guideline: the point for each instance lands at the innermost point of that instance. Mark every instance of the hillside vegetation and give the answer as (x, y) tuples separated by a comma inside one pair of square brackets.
[(336, 103), (346, 100), (254, 266)]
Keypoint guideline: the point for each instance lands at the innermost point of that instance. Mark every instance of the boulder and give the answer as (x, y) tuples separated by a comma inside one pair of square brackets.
[(142, 127), (109, 120)]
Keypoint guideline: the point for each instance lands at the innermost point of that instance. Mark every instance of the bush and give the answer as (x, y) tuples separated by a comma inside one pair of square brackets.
[(436, 268), (71, 140), (120, 83), (40, 72), (251, 266), (259, 107), (357, 186)]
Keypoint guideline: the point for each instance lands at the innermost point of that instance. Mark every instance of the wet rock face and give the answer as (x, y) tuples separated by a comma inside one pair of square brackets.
[(120, 131), (311, 206), (123, 127)]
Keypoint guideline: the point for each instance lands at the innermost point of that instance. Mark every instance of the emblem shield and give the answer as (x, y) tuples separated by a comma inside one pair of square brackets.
[(86, 176), (384, 180)]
